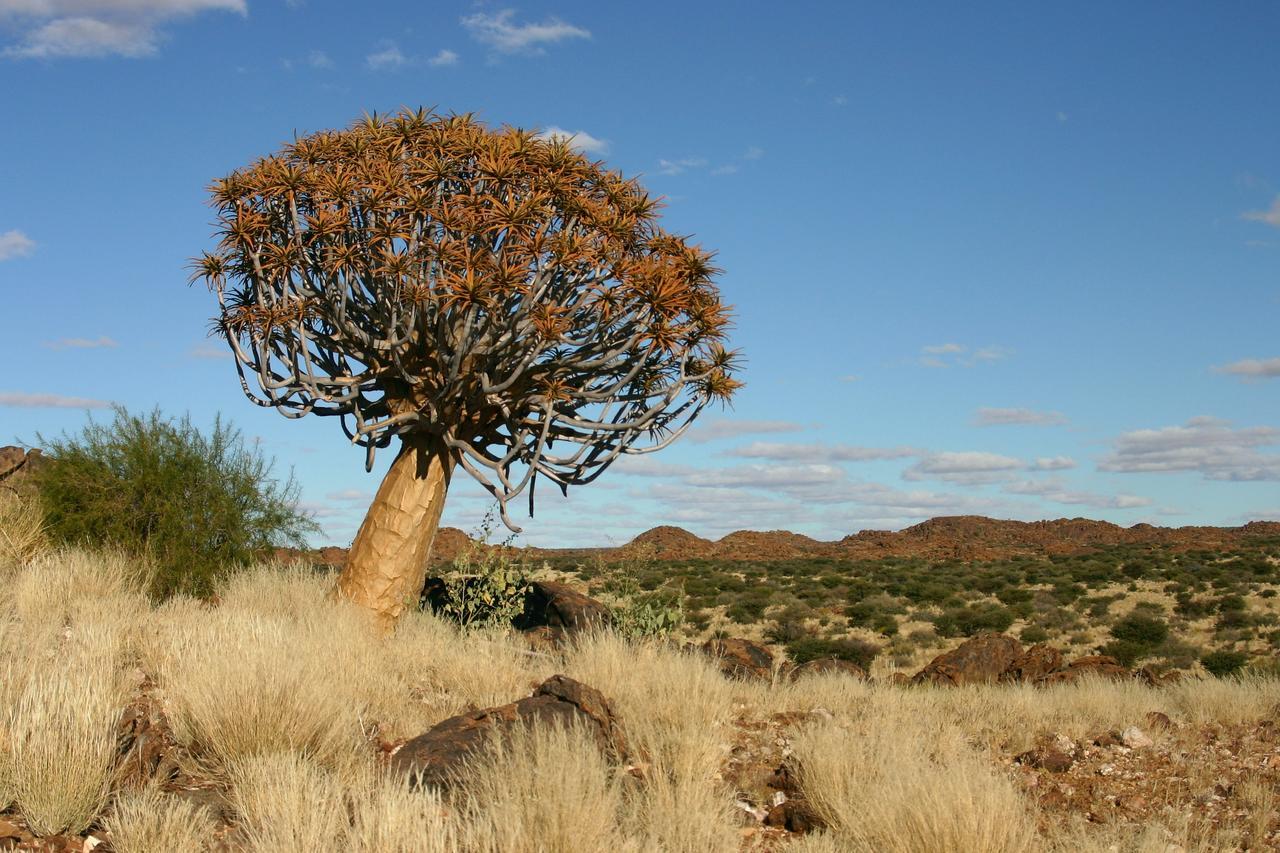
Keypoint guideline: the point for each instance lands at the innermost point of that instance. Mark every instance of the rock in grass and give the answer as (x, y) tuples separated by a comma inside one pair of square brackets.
[(740, 658), (981, 660), (436, 757)]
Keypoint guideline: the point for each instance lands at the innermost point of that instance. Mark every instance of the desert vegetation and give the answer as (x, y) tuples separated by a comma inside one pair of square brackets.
[(267, 716)]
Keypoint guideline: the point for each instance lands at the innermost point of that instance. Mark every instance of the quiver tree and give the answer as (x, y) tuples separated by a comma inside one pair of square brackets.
[(491, 299)]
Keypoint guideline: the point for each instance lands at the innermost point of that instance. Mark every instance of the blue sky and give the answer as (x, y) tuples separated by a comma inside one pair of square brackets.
[(1008, 259)]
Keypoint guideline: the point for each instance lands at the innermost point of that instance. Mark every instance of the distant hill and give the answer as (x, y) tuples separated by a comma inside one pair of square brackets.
[(957, 537)]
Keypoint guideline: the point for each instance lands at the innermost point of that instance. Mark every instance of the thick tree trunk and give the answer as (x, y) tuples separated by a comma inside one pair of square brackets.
[(388, 561)]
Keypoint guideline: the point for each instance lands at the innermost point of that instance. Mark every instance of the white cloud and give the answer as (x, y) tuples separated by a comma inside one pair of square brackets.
[(840, 100), (1019, 417), (754, 152), (579, 140), (96, 28), (952, 354), (675, 167), (81, 343), (728, 428), (779, 452), (850, 377), (1062, 117), (969, 467), (386, 58), (726, 169), (319, 59), (1208, 446), (1052, 463), (1253, 368), (1271, 216), (1057, 491), (15, 244), (499, 32), (210, 351), (48, 401), (443, 58), (350, 495)]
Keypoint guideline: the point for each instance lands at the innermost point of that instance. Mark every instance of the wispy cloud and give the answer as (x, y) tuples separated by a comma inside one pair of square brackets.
[(1052, 463), (15, 244), (577, 139), (81, 343), (83, 29), (1270, 216), (353, 495), (319, 59), (1253, 368), (675, 167), (19, 400), (443, 58), (960, 355), (210, 351), (754, 152), (499, 31), (816, 452), (1208, 446), (386, 58), (970, 467), (729, 428), (1017, 417), (1058, 492)]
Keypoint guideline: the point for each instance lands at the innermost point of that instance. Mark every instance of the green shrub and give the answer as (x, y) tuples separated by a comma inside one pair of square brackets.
[(1223, 662), (484, 586), (816, 648), (1126, 651), (1034, 634), (1142, 629), (195, 506)]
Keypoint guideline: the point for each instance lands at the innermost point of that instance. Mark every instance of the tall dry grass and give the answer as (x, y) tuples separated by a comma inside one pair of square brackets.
[(909, 785), (148, 820), (22, 529), (276, 692)]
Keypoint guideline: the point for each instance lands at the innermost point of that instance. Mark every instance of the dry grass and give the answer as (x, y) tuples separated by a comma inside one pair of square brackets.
[(150, 821), (276, 692), (909, 785), (22, 529)]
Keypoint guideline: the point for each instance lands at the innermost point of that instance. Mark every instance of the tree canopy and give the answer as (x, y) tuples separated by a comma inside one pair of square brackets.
[(424, 274)]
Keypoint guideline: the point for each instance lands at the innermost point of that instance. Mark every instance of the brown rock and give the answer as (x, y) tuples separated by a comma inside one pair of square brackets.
[(1100, 666), (900, 678), (1036, 662), (12, 832), (1107, 739), (740, 658), (559, 605), (11, 459), (1046, 758), (784, 779), (1159, 720), (147, 746), (829, 665), (794, 816), (436, 757), (980, 660)]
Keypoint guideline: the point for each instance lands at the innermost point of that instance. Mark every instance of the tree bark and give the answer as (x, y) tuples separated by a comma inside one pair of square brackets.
[(387, 564)]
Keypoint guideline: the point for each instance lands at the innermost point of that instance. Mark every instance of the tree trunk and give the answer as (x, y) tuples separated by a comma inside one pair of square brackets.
[(387, 564)]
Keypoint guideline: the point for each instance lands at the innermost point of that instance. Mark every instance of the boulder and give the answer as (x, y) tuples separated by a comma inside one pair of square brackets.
[(1046, 758), (1100, 666), (794, 816), (741, 658), (981, 660), (1037, 661), (436, 757), (11, 459), (829, 665), (559, 605)]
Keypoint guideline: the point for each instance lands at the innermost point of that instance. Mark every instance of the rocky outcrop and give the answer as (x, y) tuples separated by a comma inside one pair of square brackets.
[(1095, 666), (436, 757), (1036, 662), (741, 658), (981, 660), (828, 665), (558, 605), (17, 467)]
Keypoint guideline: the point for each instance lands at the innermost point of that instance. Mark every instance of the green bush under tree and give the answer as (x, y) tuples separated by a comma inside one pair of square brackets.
[(194, 506)]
